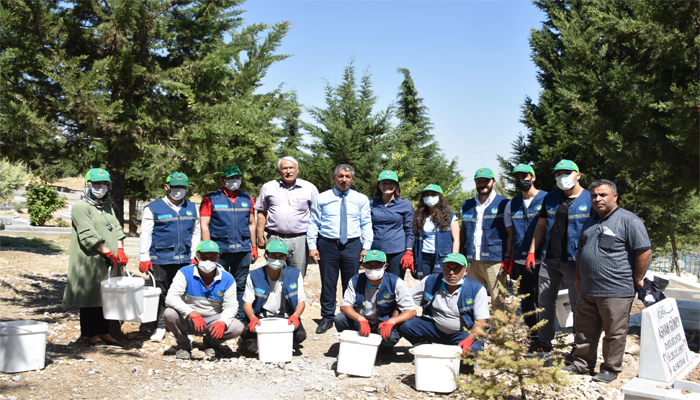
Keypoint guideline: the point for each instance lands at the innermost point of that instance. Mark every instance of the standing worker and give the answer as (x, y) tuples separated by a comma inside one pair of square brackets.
[(520, 219), (227, 219), (96, 234), (558, 229), (169, 237), (392, 224), (339, 235), (284, 208), (484, 235)]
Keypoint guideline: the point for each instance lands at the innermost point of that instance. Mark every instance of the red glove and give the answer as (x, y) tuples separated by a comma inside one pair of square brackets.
[(217, 330), (193, 261), (145, 266), (199, 325), (407, 261), (466, 345), (364, 328), (385, 329), (294, 320), (254, 254), (253, 323), (111, 259), (506, 267), (530, 262), (121, 257)]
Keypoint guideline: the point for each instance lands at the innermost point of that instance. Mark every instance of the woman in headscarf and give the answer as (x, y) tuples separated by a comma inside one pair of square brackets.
[(96, 235)]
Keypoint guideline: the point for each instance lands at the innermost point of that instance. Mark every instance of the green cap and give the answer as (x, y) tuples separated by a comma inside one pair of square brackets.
[(178, 179), (389, 175), (524, 168), (432, 188), (484, 173), (456, 258), (230, 171), (97, 175), (374, 255), (566, 165), (277, 246), (208, 246)]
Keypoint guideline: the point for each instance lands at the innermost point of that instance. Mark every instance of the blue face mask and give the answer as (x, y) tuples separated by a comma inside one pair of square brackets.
[(275, 264)]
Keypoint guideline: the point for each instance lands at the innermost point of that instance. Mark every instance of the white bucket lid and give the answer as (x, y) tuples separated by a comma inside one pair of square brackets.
[(122, 283), (274, 325), (354, 336), (437, 351), (23, 327), (151, 291)]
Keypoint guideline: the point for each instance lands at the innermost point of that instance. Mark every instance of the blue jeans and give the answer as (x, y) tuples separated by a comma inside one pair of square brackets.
[(238, 265), (342, 322), (552, 273), (427, 264), (422, 330)]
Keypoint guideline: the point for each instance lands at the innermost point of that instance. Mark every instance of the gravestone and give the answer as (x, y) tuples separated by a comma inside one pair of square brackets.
[(664, 351)]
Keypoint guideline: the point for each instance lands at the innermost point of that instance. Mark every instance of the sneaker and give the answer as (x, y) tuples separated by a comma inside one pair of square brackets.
[(158, 335), (183, 354), (253, 346), (249, 345), (605, 376)]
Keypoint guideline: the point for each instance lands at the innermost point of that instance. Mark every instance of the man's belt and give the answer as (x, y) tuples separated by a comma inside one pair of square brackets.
[(284, 235), (337, 241)]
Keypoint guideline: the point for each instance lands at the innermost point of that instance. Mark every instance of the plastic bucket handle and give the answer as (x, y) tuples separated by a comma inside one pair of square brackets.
[(129, 274)]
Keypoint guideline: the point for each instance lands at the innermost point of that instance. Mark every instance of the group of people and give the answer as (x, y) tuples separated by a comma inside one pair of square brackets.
[(201, 257)]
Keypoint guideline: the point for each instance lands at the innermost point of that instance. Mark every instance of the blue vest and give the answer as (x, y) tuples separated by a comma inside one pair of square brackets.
[(579, 212), (229, 222), (171, 241), (443, 247), (215, 291), (494, 237), (470, 288), (386, 294), (524, 223), (290, 290)]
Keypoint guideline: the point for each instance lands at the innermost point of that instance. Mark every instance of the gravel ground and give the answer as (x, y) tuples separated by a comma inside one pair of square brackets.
[(32, 281)]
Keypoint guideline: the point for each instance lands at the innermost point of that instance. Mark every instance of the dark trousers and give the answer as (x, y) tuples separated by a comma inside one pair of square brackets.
[(299, 333), (238, 264), (336, 259), (394, 261), (422, 330), (342, 322), (427, 264), (93, 322), (164, 275), (529, 284)]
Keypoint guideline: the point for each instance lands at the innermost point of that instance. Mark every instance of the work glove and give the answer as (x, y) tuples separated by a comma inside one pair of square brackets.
[(254, 254), (199, 325), (193, 261), (217, 330), (145, 266), (121, 257), (407, 261), (466, 345), (364, 328), (253, 323), (294, 320), (111, 259), (506, 267), (385, 330), (530, 263)]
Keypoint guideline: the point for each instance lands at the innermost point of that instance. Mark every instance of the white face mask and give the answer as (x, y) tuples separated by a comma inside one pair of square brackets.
[(177, 193), (232, 184), (566, 181), (99, 190), (374, 274), (431, 201), (275, 264), (458, 283), (207, 266)]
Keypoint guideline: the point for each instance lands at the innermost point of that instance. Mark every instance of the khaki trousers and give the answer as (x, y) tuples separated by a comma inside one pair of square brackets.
[(486, 273)]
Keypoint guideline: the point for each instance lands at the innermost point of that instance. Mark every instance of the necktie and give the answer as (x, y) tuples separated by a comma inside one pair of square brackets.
[(343, 219)]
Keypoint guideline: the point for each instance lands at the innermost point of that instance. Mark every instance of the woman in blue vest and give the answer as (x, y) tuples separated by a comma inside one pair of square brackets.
[(436, 230), (392, 224), (273, 291)]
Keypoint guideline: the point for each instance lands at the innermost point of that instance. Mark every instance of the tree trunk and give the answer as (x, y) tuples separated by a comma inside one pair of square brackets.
[(118, 183), (674, 254), (132, 216)]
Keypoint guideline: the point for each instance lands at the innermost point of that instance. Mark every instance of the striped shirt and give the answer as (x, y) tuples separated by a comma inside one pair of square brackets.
[(608, 249)]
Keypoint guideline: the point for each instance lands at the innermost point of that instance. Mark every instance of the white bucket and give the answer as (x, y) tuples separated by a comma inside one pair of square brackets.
[(151, 298), (275, 340), (357, 353), (564, 314), (22, 345), (437, 367), (122, 297)]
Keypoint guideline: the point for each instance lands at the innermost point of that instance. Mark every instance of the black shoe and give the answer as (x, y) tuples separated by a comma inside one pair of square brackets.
[(605, 376), (571, 368), (98, 343), (324, 326), (114, 343), (539, 347)]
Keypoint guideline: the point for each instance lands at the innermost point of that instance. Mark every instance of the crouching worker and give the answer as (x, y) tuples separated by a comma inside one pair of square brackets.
[(375, 302), (455, 307), (202, 300), (273, 291)]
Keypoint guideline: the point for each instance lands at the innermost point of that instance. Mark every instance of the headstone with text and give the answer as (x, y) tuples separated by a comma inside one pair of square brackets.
[(664, 351)]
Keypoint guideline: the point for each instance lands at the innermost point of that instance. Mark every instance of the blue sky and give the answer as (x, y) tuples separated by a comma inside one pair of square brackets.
[(470, 62)]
